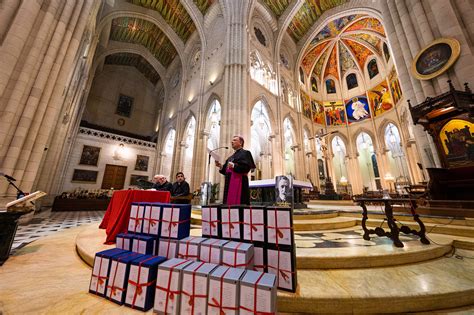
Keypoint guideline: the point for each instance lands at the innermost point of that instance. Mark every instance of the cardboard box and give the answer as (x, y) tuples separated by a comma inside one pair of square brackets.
[(118, 276), (258, 293), (282, 263), (189, 248), (254, 224), (176, 221), (259, 258), (168, 248), (152, 219), (224, 291), (211, 250), (238, 255), (231, 222), (141, 282), (211, 221), (135, 223), (195, 287), (168, 286), (143, 244), (101, 269), (124, 241), (280, 226)]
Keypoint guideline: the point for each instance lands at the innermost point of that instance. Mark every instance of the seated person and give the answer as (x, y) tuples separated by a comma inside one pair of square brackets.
[(180, 189), (161, 183)]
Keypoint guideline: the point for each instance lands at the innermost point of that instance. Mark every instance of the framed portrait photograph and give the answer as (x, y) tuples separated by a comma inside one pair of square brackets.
[(90, 155), (283, 189), (84, 176), (136, 179), (436, 58), (142, 163), (124, 106)]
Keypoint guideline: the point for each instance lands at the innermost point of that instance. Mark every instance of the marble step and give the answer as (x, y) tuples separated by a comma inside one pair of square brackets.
[(331, 203), (298, 214), (443, 283)]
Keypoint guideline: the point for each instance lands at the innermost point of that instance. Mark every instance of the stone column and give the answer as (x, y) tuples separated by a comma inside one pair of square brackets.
[(353, 174)]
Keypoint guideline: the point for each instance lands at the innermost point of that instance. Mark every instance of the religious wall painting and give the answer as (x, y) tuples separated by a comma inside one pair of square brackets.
[(357, 109), (372, 68), (318, 68), (379, 99), (314, 85), (351, 81), (360, 52), (84, 176), (318, 112), (311, 57), (142, 163), (368, 23), (386, 52), (335, 114), (395, 86), (331, 66), (345, 59), (305, 100), (124, 106), (90, 155), (136, 179), (369, 40), (330, 86), (457, 140), (436, 58)]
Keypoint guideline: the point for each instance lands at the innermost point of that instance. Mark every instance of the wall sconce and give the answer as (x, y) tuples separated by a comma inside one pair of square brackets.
[(211, 82)]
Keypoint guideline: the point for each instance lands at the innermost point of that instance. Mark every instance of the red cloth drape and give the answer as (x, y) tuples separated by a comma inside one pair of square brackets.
[(116, 217)]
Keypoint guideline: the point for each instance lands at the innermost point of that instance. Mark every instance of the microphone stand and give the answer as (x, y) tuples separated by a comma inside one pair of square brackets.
[(209, 190), (19, 192)]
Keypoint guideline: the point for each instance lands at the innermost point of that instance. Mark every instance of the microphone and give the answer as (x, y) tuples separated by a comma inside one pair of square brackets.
[(7, 177), (218, 149)]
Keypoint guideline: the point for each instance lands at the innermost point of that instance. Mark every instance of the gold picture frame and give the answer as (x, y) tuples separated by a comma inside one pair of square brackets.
[(435, 58)]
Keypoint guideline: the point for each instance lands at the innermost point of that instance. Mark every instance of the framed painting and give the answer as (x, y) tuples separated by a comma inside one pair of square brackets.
[(457, 142), (142, 163), (357, 109), (436, 58), (90, 155), (84, 176), (136, 179), (124, 106)]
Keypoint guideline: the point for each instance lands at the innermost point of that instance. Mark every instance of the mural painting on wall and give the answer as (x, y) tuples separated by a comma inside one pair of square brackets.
[(318, 112), (395, 86), (124, 106), (314, 85), (335, 114), (84, 176), (330, 86), (357, 109), (142, 163), (90, 155), (380, 99), (136, 179), (372, 68), (305, 100), (457, 139), (351, 81)]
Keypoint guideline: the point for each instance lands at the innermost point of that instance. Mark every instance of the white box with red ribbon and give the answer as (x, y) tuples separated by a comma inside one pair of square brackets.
[(280, 226), (211, 224), (101, 269), (124, 241), (282, 263), (258, 293), (176, 221), (189, 247), (144, 244), (135, 223), (254, 224), (231, 222), (152, 219), (194, 291), (211, 250), (168, 286), (238, 255), (168, 247), (141, 282), (224, 291)]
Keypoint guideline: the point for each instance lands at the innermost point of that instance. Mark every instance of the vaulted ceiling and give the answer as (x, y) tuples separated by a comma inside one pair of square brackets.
[(344, 44), (134, 60)]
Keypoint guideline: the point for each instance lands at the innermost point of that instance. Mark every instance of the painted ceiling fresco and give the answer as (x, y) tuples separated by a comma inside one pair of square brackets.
[(343, 44), (134, 60), (147, 34), (277, 6), (203, 5), (174, 14), (308, 14)]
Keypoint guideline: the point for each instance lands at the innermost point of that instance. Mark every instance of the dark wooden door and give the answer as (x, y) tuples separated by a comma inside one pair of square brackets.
[(114, 177)]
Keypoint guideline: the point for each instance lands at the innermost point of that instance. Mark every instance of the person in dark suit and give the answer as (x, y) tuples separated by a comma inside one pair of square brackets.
[(161, 183), (180, 188), (236, 169)]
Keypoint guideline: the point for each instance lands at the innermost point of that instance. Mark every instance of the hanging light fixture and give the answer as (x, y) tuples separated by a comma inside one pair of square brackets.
[(214, 118)]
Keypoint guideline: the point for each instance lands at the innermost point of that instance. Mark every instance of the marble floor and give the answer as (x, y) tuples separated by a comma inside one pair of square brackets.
[(47, 276)]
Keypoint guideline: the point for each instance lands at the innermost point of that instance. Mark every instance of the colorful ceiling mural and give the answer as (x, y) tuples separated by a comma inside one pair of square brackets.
[(134, 60), (342, 45), (147, 34), (307, 15), (277, 6), (174, 14), (203, 5)]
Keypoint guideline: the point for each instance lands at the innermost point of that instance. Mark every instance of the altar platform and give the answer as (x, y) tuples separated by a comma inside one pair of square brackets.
[(338, 271)]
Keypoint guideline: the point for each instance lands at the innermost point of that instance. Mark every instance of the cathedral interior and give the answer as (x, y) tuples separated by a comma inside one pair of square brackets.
[(352, 97)]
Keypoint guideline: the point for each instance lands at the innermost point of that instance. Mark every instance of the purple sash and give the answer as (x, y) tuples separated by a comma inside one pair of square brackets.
[(235, 187)]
